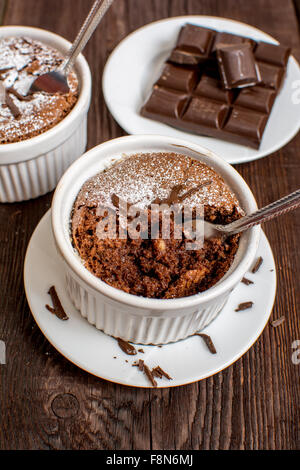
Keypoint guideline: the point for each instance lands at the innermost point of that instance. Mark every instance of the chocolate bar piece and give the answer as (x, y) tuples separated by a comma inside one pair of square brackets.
[(257, 98), (275, 54), (193, 45), (189, 94), (178, 78), (223, 38), (246, 126), (205, 116), (211, 87), (165, 105), (237, 65), (271, 75)]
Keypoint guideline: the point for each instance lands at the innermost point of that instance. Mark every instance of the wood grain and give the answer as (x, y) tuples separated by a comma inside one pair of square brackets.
[(45, 401)]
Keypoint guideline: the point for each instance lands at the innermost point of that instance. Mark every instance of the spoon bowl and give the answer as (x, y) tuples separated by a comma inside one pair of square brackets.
[(56, 80)]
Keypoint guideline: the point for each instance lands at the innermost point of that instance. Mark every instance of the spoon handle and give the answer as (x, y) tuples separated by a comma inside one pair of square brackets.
[(285, 204), (94, 17)]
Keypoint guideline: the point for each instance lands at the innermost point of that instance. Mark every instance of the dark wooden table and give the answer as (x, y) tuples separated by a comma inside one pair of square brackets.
[(48, 403)]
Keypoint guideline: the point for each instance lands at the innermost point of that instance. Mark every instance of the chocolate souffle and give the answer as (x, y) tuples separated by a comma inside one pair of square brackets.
[(24, 115), (158, 268)]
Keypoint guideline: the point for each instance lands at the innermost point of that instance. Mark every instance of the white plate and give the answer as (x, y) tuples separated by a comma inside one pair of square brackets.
[(233, 333), (136, 63)]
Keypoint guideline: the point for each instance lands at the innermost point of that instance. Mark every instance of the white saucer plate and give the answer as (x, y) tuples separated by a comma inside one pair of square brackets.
[(136, 63), (187, 361)]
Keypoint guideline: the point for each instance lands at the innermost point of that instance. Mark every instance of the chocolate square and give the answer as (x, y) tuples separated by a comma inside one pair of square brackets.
[(275, 54), (257, 98), (193, 45), (178, 78), (226, 94), (246, 126), (203, 113), (165, 105), (210, 87), (271, 75), (237, 65), (223, 38)]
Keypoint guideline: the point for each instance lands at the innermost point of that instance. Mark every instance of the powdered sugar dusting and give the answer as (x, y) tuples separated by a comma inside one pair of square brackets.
[(21, 61), (142, 178)]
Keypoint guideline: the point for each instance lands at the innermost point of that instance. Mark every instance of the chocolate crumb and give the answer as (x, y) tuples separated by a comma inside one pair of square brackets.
[(246, 281), (126, 347), (277, 322), (159, 372), (244, 306), (57, 308), (141, 351), (208, 341), (149, 375), (141, 364), (257, 265)]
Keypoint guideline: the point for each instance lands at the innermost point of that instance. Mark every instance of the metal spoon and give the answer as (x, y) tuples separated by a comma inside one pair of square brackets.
[(56, 81), (285, 204)]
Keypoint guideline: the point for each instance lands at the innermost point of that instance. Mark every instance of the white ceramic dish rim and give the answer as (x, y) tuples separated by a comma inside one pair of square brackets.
[(98, 285), (32, 148)]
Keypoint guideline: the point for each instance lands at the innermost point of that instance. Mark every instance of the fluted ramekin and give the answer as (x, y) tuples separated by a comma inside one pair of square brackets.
[(133, 318), (33, 167)]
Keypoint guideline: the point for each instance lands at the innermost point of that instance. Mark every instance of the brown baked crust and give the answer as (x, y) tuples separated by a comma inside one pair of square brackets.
[(21, 60), (154, 268)]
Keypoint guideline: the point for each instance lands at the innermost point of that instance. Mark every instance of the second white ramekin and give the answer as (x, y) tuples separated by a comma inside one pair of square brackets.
[(133, 318), (33, 167)]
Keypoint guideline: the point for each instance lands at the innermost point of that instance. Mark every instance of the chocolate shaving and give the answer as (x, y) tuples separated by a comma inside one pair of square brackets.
[(18, 95), (257, 265), (149, 375), (277, 322), (192, 191), (208, 341), (244, 306), (126, 347), (174, 194), (13, 108), (159, 372), (141, 351), (246, 281), (57, 308), (156, 373)]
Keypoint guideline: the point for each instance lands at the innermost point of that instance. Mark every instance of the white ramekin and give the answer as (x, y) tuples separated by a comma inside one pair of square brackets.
[(133, 318), (33, 167)]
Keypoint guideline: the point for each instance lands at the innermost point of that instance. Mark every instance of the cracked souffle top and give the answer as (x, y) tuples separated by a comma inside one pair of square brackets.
[(160, 267), (24, 115)]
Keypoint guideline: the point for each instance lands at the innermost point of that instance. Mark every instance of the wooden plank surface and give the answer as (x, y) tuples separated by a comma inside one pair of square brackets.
[(45, 401)]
